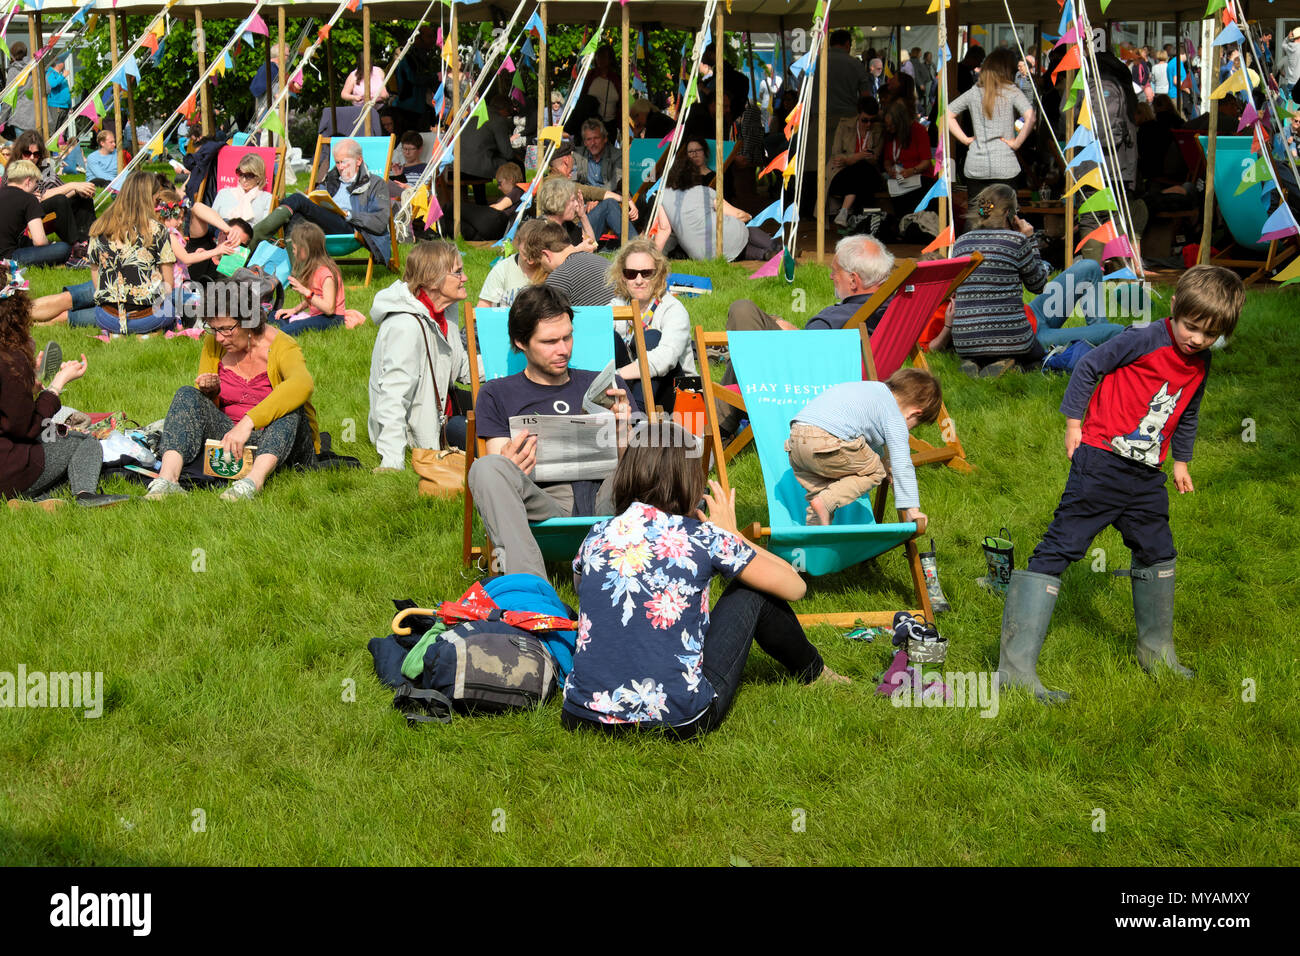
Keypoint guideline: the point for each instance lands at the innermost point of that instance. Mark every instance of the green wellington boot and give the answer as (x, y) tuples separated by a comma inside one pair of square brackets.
[(1153, 609), (1031, 597)]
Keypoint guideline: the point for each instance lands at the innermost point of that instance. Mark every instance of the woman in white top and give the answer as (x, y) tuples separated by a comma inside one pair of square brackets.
[(640, 274), (248, 200), (354, 87)]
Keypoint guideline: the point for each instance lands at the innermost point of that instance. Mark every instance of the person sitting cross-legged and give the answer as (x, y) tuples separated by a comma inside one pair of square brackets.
[(253, 388), (361, 194), (541, 327)]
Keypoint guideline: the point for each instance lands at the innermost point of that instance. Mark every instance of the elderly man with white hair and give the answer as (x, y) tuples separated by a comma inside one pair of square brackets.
[(860, 266), (361, 195)]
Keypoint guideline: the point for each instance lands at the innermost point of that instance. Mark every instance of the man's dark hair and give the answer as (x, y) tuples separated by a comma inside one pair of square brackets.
[(412, 138), (869, 105), (242, 224), (533, 304), (841, 38)]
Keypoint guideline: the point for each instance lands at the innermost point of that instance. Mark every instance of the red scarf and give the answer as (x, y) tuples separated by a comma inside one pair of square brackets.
[(434, 313)]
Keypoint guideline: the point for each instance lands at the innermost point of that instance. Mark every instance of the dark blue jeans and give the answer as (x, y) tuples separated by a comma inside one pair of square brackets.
[(741, 617), (56, 253), (313, 323)]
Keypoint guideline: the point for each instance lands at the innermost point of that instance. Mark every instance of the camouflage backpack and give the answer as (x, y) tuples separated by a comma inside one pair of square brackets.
[(478, 667)]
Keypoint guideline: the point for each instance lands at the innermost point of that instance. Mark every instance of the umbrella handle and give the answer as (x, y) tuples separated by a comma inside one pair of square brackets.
[(402, 630)]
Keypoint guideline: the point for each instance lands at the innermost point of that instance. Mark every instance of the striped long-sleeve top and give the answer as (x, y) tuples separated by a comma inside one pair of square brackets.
[(988, 309)]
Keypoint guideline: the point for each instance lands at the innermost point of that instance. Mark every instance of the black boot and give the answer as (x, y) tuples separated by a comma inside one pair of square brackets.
[(1031, 598), (1153, 609)]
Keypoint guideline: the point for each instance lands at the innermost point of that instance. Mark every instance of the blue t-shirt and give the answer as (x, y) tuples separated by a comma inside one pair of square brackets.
[(644, 595)]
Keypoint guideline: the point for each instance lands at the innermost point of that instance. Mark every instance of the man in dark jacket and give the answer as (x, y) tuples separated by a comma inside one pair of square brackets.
[(361, 194)]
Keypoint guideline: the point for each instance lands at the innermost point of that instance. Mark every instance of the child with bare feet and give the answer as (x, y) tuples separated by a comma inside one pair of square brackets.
[(847, 439)]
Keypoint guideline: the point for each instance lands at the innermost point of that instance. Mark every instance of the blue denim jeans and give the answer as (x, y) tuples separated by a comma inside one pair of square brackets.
[(54, 254), (95, 317), (1078, 285), (313, 323), (607, 216)]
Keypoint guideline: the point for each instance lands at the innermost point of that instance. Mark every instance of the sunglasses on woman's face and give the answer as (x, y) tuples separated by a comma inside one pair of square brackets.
[(32, 152), (630, 274), (244, 175)]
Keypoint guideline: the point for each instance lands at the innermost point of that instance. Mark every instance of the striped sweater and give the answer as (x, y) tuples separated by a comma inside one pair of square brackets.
[(988, 309)]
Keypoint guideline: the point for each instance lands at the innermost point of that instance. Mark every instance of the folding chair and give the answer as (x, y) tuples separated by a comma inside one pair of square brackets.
[(921, 290), (377, 153), (779, 373), (1243, 214), (228, 160), (489, 344)]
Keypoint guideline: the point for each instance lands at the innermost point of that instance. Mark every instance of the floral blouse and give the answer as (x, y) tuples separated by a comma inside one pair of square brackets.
[(644, 595), (130, 274)]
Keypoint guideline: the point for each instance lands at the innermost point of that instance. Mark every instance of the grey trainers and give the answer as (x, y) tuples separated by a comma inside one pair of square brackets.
[(161, 488), (240, 490)]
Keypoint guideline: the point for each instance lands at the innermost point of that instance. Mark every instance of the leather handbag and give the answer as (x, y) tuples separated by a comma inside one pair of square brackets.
[(441, 471)]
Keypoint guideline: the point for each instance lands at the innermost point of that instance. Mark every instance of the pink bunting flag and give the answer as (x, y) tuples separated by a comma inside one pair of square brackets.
[(1071, 36), (769, 268), (1119, 246), (257, 25), (439, 36), (508, 65), (90, 112), (1248, 116), (665, 141), (435, 213)]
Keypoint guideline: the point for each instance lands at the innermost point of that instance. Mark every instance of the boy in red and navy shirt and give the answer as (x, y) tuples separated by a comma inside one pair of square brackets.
[(1142, 394)]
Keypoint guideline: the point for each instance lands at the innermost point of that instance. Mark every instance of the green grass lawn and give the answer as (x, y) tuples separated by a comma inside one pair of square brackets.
[(243, 723)]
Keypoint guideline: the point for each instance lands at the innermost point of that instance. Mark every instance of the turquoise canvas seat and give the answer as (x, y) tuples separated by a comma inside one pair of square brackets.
[(490, 347), (1245, 214), (779, 372), (377, 154)]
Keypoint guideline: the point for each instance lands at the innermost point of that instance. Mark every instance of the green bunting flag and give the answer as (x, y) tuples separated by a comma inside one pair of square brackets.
[(787, 265), (1258, 172), (690, 95), (272, 123), (590, 48), (1100, 201), (1214, 7), (480, 113), (817, 13), (10, 98), (518, 81), (1075, 88), (1104, 5)]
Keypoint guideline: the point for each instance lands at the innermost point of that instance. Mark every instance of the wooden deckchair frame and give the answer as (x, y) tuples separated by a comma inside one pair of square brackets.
[(351, 259), (755, 531), (951, 452), (476, 447)]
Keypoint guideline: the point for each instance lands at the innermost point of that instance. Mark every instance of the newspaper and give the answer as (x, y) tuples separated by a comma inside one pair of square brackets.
[(570, 447), (594, 400)]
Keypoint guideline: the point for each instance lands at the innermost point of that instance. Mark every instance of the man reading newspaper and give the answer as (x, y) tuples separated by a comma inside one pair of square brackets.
[(541, 327)]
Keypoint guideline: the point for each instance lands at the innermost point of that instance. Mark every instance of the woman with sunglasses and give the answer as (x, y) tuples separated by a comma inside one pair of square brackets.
[(640, 274), (247, 201), (73, 204), (253, 389)]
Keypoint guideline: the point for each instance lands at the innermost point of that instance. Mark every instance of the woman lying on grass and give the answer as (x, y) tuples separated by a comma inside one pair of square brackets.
[(253, 388), (646, 653)]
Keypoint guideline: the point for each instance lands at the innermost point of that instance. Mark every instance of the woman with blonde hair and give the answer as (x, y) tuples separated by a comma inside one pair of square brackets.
[(131, 263), (639, 274), (417, 356), (248, 200), (559, 200), (993, 103)]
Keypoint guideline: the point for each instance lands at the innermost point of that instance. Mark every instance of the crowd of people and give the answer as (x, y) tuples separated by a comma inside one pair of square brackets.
[(155, 264)]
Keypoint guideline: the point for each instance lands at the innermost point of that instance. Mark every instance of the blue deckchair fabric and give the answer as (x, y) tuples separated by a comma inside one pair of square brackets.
[(779, 372), (593, 341), (375, 154), (1246, 214), (593, 349)]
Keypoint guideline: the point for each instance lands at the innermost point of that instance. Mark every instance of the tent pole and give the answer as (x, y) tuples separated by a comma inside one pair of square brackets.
[(1209, 75), (282, 54), (623, 136), (117, 96), (36, 38), (365, 65), (269, 85), (453, 42), (823, 133), (130, 94), (940, 117), (205, 114), (329, 78), (719, 66), (543, 87)]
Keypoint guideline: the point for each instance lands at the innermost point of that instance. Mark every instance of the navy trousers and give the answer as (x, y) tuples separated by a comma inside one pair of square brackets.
[(1105, 489)]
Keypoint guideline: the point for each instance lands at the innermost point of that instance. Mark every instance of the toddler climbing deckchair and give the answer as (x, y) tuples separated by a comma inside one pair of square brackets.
[(779, 372), (489, 343), (922, 290), (1244, 214), (377, 154)]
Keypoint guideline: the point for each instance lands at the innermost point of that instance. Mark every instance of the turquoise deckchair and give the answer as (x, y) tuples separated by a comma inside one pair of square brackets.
[(489, 346), (1243, 214), (377, 154), (778, 373)]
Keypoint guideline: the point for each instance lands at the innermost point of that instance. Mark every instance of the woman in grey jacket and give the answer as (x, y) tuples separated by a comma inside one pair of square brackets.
[(418, 355)]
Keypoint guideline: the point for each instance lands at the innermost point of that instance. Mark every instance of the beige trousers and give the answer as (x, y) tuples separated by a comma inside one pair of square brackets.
[(830, 468)]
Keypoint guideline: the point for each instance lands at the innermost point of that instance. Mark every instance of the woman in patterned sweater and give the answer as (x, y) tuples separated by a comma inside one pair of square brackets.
[(991, 327)]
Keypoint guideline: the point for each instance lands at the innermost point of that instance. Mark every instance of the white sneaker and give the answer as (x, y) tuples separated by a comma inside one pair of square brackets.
[(242, 489), (161, 488)]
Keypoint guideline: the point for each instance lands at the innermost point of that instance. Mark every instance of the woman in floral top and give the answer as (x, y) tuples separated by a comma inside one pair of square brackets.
[(646, 654), (131, 263)]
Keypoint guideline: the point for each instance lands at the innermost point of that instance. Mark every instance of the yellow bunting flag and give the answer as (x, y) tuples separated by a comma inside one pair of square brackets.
[(790, 167), (1290, 274), (1085, 115), (934, 6), (1091, 178), (1235, 83), (550, 134), (156, 145)]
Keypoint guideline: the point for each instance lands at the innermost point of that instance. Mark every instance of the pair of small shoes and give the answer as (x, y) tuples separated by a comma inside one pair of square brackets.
[(997, 369), (92, 499), (51, 362), (970, 369), (161, 488), (49, 505), (241, 490)]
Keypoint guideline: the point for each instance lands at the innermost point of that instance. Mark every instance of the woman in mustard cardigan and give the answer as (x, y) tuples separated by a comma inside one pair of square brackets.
[(253, 388)]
